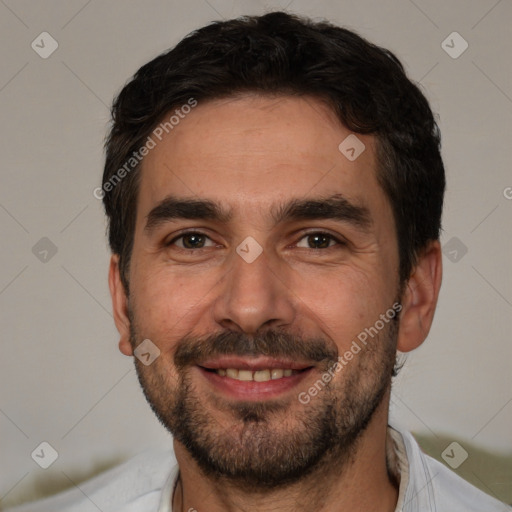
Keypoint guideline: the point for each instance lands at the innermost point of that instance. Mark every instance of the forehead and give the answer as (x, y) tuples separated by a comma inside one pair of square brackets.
[(257, 151)]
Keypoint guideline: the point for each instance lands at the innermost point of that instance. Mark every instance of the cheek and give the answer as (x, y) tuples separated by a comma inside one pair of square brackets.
[(167, 302), (343, 303)]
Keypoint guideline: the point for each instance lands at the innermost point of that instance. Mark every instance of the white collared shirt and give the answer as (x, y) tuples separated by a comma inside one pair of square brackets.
[(426, 485), (146, 483)]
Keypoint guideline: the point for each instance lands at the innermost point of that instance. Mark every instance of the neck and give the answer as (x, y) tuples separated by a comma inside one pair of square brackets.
[(361, 483)]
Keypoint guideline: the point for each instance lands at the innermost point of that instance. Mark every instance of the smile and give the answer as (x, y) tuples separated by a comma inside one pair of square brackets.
[(257, 376), (255, 379)]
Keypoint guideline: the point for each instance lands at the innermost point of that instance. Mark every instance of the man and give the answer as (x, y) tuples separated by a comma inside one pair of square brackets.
[(274, 190)]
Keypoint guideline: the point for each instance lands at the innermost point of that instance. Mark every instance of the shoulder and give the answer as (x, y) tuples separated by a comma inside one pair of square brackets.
[(432, 486), (130, 487)]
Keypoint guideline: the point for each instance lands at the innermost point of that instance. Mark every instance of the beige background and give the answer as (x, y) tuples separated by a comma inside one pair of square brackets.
[(62, 379)]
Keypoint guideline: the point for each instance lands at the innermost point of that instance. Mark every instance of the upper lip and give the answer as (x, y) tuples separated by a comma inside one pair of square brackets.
[(253, 363)]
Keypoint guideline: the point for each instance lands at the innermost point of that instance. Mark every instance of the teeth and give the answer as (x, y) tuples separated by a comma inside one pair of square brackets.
[(262, 375), (231, 372), (277, 374), (244, 375), (257, 376)]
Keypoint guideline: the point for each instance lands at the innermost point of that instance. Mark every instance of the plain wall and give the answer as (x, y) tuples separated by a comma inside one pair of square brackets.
[(62, 378)]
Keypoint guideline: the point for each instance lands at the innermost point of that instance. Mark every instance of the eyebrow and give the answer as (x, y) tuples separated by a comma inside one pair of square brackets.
[(177, 208), (334, 207)]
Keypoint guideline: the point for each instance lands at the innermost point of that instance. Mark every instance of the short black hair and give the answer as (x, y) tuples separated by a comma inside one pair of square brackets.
[(284, 54)]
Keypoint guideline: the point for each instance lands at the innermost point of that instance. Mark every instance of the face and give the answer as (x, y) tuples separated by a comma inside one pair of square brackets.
[(261, 252)]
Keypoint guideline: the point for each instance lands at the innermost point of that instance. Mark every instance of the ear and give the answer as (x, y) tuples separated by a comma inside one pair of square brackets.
[(119, 306), (420, 298)]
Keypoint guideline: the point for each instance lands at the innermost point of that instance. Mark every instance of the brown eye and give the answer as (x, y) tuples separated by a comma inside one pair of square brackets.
[(318, 241), (191, 240)]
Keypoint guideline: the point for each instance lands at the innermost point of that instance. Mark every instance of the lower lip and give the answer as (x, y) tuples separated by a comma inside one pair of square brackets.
[(252, 390)]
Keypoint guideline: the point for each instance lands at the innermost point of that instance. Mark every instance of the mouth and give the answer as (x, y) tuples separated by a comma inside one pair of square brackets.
[(256, 376), (253, 379)]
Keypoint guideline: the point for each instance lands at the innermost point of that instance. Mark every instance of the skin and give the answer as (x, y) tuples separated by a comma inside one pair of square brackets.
[(248, 154)]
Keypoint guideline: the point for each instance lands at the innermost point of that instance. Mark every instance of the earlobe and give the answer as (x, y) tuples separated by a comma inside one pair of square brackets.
[(119, 305), (420, 298)]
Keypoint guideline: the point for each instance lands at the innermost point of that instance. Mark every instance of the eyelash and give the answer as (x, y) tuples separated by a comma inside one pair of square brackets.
[(305, 235)]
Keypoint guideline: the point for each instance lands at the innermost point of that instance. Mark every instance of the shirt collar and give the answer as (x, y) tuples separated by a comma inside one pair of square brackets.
[(396, 459)]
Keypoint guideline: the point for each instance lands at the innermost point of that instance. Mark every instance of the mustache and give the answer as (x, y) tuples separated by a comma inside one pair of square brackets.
[(195, 350)]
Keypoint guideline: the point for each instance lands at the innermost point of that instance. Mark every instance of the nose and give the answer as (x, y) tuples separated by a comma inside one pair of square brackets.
[(253, 296)]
